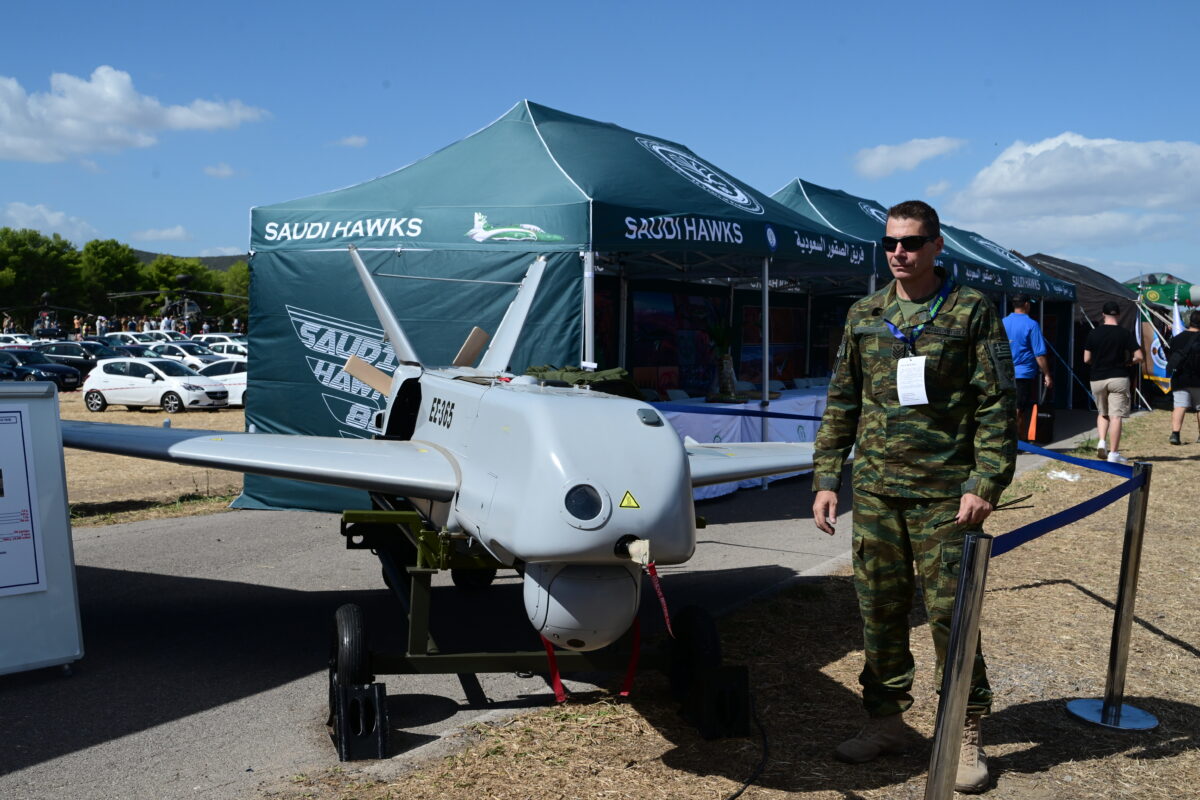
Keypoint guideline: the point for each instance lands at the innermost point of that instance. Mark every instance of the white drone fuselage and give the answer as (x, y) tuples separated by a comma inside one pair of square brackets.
[(556, 481)]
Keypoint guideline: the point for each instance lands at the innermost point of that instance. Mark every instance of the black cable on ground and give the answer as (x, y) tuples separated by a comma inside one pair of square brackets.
[(766, 752)]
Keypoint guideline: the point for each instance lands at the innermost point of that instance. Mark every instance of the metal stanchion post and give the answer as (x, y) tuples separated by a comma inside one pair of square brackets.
[(960, 661), (1112, 712)]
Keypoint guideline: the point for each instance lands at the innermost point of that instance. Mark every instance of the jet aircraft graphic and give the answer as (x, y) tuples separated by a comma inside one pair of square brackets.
[(482, 231), (576, 489)]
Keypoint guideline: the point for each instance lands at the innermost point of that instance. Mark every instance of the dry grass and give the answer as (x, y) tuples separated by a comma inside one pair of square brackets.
[(147, 489), (1047, 622)]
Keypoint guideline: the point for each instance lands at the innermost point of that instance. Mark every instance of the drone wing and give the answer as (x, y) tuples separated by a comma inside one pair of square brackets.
[(721, 463), (408, 468)]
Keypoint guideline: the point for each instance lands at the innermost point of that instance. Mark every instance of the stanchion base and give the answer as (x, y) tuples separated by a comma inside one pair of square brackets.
[(1129, 718)]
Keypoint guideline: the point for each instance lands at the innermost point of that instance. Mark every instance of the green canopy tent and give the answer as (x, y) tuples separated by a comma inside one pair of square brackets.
[(969, 257), (451, 234)]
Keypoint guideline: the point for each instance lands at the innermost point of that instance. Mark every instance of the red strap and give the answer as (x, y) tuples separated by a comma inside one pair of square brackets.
[(560, 694), (662, 600), (631, 670)]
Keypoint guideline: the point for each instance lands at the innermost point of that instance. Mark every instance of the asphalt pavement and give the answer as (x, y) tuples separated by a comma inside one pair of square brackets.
[(206, 641)]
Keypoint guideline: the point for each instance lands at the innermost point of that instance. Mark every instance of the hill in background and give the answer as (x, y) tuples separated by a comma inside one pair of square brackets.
[(218, 263)]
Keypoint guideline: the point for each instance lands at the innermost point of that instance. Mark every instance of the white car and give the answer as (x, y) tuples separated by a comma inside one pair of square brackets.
[(23, 339), (229, 349), (130, 337), (139, 382), (210, 338), (192, 354), (232, 373), (167, 336)]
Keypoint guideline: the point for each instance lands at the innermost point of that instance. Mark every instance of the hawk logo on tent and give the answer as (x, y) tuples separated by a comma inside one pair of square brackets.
[(877, 214), (484, 232), (1000, 251), (703, 174)]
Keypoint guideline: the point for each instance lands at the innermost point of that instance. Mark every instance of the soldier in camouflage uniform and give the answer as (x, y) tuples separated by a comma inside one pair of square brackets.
[(932, 460)]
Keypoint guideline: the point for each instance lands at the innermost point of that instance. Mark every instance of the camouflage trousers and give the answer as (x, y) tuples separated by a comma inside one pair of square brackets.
[(892, 536)]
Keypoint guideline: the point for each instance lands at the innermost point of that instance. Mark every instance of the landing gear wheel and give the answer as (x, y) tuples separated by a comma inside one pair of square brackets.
[(695, 649), (349, 657), (472, 579), (172, 403), (347, 653), (95, 401)]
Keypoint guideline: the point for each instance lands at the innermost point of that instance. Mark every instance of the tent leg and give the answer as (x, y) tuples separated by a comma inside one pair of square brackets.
[(589, 311), (765, 321)]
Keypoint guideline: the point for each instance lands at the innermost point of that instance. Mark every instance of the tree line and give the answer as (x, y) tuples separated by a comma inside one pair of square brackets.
[(37, 271)]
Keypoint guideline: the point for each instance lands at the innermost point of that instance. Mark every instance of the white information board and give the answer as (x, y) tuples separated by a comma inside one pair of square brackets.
[(39, 605), (21, 556)]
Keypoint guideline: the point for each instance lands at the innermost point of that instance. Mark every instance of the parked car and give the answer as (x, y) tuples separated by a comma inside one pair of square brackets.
[(31, 365), (229, 349), (75, 354), (130, 337), (17, 338), (210, 338), (135, 350), (232, 373), (193, 354), (167, 336), (100, 350), (140, 382)]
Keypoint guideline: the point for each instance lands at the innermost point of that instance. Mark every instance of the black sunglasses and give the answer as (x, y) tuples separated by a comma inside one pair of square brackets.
[(911, 244)]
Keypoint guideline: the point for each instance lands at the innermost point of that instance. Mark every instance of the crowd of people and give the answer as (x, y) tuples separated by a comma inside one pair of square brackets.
[(84, 325)]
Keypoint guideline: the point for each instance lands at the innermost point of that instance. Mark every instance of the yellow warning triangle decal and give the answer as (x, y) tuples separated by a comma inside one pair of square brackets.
[(628, 502)]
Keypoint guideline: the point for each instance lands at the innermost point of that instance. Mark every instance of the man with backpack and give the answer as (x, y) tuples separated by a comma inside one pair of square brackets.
[(1184, 368)]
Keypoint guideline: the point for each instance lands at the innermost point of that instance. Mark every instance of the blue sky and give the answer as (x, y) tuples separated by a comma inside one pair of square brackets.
[(1066, 128)]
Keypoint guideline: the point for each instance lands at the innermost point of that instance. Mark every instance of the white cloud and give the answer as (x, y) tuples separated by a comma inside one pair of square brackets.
[(101, 113), (883, 160), (352, 141), (48, 221), (221, 170), (935, 189), (175, 234), (223, 251), (1073, 191), (1088, 175)]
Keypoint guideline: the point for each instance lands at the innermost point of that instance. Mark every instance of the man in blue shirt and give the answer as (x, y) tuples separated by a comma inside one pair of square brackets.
[(1029, 356)]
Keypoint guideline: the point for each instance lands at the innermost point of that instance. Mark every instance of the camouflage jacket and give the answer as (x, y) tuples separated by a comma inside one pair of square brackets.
[(963, 440)]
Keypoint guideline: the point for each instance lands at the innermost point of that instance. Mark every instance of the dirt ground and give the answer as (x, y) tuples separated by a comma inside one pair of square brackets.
[(1048, 615), (100, 485)]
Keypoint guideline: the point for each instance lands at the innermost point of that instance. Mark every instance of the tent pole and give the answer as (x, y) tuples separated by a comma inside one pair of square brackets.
[(623, 335), (808, 338), (589, 310), (1071, 355), (765, 321)]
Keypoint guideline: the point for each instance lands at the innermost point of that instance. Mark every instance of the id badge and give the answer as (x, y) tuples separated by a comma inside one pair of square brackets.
[(910, 381)]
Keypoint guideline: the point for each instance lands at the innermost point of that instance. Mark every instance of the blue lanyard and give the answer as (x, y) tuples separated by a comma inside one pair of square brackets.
[(934, 307)]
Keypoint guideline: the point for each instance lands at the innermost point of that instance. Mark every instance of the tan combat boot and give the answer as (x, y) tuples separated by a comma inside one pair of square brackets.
[(972, 774), (879, 736)]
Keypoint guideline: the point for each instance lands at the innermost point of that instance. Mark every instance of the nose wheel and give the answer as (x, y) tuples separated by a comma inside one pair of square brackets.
[(358, 721)]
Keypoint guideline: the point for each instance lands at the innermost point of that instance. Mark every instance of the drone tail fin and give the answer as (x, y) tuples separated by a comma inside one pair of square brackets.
[(504, 342), (391, 325)]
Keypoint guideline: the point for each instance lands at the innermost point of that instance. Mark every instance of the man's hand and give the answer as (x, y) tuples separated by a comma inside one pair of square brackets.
[(972, 509), (825, 510), (1048, 381)]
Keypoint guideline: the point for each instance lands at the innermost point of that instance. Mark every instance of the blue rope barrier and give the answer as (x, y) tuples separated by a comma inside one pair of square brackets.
[(1014, 539), (730, 412), (1120, 470)]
